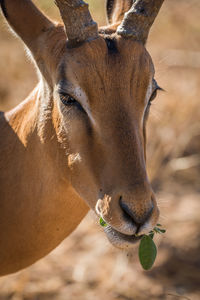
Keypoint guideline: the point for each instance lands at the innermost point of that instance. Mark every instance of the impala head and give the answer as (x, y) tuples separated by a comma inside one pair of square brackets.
[(101, 84)]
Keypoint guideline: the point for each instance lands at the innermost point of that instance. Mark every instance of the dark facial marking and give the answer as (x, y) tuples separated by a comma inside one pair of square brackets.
[(111, 44)]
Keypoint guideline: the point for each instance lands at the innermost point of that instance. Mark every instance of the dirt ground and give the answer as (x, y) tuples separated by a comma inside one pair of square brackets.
[(85, 266)]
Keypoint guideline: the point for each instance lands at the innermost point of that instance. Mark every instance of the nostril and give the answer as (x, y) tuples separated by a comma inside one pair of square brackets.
[(128, 213), (138, 219)]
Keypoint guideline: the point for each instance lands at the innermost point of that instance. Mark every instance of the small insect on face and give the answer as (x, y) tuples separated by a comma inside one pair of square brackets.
[(104, 96)]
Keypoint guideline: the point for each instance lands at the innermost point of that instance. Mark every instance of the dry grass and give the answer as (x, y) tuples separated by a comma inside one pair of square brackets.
[(85, 266)]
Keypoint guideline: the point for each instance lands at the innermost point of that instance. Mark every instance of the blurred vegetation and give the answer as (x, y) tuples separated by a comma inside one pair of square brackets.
[(85, 266)]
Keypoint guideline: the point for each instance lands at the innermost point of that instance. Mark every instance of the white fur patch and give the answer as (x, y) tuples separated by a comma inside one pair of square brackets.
[(146, 228), (79, 94), (148, 95), (82, 98), (73, 158)]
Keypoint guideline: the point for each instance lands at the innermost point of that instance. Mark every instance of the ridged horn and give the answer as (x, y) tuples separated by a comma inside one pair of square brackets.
[(77, 19), (139, 19)]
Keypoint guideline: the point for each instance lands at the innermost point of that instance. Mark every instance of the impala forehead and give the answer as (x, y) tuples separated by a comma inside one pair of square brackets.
[(92, 74), (94, 60)]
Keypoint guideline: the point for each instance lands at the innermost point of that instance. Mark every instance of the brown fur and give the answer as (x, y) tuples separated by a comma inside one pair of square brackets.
[(57, 161)]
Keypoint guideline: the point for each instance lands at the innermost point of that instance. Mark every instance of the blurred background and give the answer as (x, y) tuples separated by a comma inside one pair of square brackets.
[(85, 266)]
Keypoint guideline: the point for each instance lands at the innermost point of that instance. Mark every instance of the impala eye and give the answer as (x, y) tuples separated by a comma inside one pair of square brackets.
[(67, 99), (156, 89), (153, 96)]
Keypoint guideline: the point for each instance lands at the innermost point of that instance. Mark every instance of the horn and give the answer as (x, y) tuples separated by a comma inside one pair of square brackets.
[(78, 22), (139, 19)]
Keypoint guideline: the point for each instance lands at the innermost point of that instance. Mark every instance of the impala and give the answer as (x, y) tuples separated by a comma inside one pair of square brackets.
[(78, 141)]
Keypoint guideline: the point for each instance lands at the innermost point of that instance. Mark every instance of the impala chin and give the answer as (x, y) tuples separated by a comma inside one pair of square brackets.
[(120, 240), (126, 241)]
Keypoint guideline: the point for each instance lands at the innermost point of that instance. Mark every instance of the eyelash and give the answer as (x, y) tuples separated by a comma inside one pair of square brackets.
[(154, 94), (68, 100)]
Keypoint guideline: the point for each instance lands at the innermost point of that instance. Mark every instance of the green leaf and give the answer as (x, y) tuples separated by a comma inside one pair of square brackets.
[(162, 230), (158, 225), (157, 230), (147, 252), (102, 222), (151, 235)]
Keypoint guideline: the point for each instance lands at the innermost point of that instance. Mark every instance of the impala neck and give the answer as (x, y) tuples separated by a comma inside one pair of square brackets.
[(36, 195), (34, 123)]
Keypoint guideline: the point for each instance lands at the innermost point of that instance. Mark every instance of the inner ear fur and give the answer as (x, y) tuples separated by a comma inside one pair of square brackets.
[(116, 10)]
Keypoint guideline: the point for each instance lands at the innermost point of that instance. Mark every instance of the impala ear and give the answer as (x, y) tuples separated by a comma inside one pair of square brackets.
[(26, 20), (116, 10)]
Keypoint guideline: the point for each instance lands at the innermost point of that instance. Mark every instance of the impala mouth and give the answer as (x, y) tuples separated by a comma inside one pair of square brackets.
[(121, 240)]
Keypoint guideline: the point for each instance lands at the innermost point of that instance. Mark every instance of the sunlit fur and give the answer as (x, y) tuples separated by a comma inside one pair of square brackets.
[(58, 161)]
